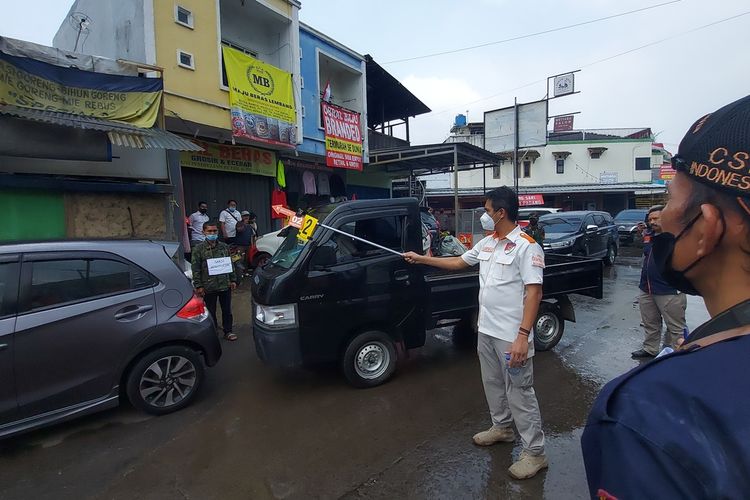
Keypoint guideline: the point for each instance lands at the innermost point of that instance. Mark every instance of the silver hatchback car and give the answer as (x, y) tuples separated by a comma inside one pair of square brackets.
[(84, 323)]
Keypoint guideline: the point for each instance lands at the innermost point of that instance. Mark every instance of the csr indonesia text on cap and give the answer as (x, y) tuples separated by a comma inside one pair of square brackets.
[(716, 151)]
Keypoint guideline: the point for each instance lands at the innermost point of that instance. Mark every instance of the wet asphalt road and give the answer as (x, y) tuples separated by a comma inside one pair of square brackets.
[(260, 433)]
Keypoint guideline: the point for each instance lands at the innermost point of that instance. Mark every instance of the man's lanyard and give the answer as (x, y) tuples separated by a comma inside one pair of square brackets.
[(731, 319), (715, 338)]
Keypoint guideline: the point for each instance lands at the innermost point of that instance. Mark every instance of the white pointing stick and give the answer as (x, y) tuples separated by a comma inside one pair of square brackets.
[(362, 240)]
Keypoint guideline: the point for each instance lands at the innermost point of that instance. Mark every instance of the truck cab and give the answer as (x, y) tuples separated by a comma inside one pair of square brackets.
[(314, 297)]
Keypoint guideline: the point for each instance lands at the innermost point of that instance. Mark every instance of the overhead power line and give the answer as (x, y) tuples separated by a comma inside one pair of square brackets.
[(529, 35), (599, 61)]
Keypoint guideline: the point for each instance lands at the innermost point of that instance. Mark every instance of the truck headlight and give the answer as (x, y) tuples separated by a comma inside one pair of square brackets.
[(277, 316), (562, 244)]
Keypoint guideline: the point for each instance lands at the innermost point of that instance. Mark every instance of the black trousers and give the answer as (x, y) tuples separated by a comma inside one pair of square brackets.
[(225, 301)]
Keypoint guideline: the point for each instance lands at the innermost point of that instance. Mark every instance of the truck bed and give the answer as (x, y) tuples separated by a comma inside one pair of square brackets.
[(452, 294)]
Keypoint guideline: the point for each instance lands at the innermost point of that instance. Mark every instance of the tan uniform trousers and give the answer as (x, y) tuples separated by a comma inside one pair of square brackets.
[(510, 396), (657, 308)]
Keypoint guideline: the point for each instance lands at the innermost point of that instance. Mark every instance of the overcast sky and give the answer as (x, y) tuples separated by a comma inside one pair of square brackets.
[(665, 86)]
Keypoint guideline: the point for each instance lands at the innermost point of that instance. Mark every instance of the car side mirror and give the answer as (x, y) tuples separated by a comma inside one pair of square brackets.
[(592, 228), (323, 257)]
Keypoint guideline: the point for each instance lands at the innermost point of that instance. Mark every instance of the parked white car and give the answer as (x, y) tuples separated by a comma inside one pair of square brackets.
[(267, 246)]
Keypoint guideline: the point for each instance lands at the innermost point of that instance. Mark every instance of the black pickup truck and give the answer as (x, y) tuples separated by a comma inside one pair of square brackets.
[(337, 298)]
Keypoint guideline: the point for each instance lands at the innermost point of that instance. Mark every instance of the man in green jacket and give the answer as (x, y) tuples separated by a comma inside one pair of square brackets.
[(535, 230), (214, 277)]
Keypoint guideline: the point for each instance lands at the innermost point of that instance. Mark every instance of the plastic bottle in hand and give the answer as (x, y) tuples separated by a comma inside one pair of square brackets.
[(512, 371)]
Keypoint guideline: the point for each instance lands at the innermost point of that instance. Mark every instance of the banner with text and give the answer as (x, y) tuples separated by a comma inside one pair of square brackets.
[(563, 123), (343, 137), (528, 200), (666, 172), (237, 159), (28, 83), (261, 98)]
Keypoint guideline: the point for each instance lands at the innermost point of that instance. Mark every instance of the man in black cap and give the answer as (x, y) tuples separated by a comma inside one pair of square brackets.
[(679, 427)]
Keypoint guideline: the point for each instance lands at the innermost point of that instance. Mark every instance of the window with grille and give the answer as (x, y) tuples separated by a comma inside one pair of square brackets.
[(185, 59), (560, 165), (183, 16)]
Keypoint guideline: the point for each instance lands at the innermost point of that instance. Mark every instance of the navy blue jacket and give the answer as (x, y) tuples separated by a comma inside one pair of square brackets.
[(651, 280), (676, 427)]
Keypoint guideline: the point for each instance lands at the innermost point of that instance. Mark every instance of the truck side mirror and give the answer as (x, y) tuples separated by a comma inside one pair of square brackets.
[(323, 257)]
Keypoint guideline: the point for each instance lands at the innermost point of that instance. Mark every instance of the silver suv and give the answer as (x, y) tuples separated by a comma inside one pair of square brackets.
[(84, 323)]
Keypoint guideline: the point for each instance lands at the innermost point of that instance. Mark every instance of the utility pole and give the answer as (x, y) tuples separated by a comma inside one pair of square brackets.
[(515, 144)]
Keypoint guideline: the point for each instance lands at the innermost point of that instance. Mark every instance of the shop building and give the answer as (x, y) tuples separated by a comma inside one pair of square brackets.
[(603, 169), (188, 38), (334, 74), (81, 155)]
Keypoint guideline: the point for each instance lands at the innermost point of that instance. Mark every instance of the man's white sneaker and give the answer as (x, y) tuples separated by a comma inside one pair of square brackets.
[(494, 435), (528, 465)]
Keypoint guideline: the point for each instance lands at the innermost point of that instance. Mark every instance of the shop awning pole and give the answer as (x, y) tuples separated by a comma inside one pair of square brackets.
[(455, 189)]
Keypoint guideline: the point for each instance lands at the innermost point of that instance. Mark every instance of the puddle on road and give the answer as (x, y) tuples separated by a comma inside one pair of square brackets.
[(81, 428)]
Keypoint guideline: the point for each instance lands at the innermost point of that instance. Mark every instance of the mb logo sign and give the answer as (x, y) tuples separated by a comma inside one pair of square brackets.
[(260, 79)]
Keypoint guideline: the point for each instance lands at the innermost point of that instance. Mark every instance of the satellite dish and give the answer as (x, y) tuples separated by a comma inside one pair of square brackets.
[(80, 21)]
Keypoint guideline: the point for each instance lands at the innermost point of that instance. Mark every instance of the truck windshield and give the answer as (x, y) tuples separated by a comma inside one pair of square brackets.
[(292, 246)]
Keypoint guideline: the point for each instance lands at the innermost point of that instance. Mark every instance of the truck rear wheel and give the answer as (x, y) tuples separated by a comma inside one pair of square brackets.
[(609, 259), (465, 333), (548, 327), (369, 359)]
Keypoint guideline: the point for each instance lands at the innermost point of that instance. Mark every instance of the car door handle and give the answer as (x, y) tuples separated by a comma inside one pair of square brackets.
[(133, 311), (401, 276)]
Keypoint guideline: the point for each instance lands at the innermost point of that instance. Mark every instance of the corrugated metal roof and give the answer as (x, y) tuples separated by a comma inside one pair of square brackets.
[(121, 134), (638, 187)]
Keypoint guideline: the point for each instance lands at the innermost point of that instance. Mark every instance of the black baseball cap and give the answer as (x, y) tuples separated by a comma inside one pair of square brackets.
[(716, 149)]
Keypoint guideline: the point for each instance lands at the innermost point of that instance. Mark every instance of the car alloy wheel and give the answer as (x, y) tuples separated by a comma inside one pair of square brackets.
[(167, 381)]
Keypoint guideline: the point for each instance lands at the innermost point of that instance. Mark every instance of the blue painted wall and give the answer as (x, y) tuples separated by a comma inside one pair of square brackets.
[(313, 138)]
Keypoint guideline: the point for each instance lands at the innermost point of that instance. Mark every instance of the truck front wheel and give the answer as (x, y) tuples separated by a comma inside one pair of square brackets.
[(369, 359), (548, 328)]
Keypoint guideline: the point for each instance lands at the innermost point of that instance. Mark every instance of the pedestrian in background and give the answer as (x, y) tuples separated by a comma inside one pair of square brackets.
[(678, 427), (195, 224), (535, 230), (511, 269), (214, 277), (660, 303), (246, 237), (228, 219), (254, 225)]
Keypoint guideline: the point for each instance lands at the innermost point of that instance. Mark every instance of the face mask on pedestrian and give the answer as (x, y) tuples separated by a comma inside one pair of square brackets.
[(662, 251), (488, 223), (212, 237), (232, 209), (203, 210)]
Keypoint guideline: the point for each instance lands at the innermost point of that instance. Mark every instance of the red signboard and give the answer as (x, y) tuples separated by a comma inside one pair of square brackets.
[(527, 200), (343, 137), (467, 239), (563, 123), (666, 172)]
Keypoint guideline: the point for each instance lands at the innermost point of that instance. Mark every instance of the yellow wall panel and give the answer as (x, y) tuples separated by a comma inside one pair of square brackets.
[(203, 43)]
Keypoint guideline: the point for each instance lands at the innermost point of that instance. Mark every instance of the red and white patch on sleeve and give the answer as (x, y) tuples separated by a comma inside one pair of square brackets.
[(605, 495), (537, 261)]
